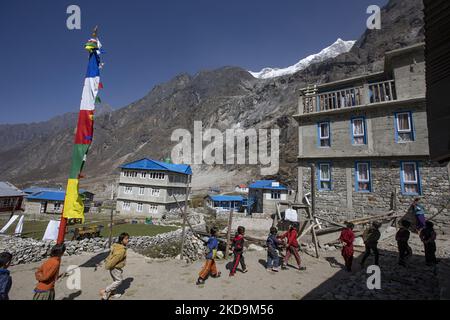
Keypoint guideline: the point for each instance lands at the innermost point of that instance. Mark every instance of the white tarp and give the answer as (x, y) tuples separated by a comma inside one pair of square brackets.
[(9, 223), (51, 233), (19, 227), (291, 215)]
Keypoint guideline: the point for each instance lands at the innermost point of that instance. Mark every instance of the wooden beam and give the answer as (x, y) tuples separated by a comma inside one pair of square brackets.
[(230, 223)]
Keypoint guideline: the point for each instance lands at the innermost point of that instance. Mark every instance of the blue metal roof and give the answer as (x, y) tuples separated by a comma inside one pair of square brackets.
[(226, 198), (48, 196), (266, 184), (149, 164), (34, 189)]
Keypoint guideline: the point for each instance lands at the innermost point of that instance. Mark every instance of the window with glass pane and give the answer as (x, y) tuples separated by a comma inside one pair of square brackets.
[(141, 190), (404, 127), (324, 177), (410, 178), (275, 194), (363, 176), (358, 131), (143, 175), (126, 206), (324, 134), (128, 190), (140, 207)]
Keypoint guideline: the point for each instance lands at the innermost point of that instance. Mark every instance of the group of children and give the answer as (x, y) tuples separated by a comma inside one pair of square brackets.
[(274, 243), (372, 235), (48, 273)]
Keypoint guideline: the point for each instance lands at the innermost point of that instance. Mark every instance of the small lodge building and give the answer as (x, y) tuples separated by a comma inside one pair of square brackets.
[(147, 188), (51, 200), (225, 202), (264, 195), (241, 188), (11, 198)]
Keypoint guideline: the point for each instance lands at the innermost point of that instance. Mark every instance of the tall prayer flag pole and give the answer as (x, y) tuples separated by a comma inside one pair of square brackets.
[(73, 202)]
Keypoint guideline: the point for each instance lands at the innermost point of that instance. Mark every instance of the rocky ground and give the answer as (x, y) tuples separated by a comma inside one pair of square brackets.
[(416, 281), (148, 278)]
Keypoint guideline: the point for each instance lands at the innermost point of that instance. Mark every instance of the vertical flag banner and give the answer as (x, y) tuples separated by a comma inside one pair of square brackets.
[(73, 203)]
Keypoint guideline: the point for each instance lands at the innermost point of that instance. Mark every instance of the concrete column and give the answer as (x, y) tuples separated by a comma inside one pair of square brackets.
[(300, 105), (300, 184), (369, 135), (300, 141), (366, 98), (348, 174)]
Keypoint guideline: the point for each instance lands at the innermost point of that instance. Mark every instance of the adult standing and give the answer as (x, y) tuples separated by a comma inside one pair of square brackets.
[(419, 212)]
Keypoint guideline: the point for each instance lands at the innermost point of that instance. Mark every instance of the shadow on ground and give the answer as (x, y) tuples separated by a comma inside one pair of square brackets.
[(95, 260), (415, 281)]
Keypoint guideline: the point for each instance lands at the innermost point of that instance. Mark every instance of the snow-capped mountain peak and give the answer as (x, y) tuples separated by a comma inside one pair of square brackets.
[(340, 46)]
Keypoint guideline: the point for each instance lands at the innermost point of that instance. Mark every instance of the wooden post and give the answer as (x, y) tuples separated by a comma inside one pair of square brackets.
[(185, 216), (111, 218), (313, 209), (230, 222)]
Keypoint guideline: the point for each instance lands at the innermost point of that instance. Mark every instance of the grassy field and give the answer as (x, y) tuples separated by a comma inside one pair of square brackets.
[(36, 229)]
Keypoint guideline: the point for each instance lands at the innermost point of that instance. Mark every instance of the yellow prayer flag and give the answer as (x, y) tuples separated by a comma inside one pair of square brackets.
[(73, 203)]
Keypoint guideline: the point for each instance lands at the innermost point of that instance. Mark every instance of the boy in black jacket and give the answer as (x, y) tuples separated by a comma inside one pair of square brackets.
[(371, 237), (238, 249), (402, 237)]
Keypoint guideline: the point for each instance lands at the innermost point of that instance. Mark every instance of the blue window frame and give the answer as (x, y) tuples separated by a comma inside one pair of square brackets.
[(358, 131), (404, 127), (363, 179), (324, 134), (410, 178), (324, 176)]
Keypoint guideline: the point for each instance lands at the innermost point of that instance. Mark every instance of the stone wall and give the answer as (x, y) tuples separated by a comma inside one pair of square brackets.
[(342, 202), (30, 250)]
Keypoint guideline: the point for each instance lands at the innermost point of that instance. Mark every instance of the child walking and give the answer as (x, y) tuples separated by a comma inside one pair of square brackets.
[(428, 237), (291, 247), (273, 260), (402, 237), (210, 267), (238, 248), (371, 237), (115, 263), (347, 238), (5, 277), (48, 273)]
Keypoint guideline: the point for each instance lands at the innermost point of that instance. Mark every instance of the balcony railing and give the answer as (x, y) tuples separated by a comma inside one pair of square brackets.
[(350, 97)]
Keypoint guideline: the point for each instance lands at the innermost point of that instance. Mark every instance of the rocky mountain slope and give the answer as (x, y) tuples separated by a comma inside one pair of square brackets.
[(221, 98)]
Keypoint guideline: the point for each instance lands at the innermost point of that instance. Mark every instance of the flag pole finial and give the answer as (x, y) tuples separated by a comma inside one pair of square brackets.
[(95, 32)]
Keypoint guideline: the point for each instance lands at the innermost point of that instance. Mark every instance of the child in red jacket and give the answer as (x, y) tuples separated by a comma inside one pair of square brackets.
[(238, 249), (347, 238), (291, 247)]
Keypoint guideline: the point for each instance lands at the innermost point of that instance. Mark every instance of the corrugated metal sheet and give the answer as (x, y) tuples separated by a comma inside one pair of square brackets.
[(437, 55), (149, 164)]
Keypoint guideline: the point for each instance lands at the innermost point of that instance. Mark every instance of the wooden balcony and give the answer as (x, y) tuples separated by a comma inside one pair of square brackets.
[(313, 102)]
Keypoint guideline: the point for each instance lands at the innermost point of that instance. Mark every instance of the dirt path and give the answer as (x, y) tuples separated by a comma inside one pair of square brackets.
[(172, 279), (323, 279)]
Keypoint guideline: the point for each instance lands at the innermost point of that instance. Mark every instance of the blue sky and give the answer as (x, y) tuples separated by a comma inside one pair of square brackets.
[(149, 42)]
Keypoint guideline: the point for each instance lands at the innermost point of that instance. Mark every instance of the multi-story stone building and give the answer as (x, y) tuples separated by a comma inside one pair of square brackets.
[(367, 137), (147, 187)]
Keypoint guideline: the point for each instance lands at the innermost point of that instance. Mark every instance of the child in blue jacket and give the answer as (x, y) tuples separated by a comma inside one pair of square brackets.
[(5, 277), (210, 268), (273, 243)]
